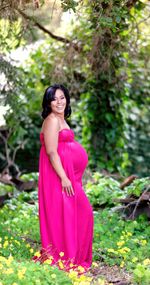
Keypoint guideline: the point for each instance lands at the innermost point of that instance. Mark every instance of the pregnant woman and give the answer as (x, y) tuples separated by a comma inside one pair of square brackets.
[(65, 214)]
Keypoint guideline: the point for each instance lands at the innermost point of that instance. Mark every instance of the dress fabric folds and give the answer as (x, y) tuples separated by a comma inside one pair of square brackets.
[(66, 222)]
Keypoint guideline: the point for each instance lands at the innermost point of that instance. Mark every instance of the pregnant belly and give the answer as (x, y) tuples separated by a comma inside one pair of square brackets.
[(79, 158)]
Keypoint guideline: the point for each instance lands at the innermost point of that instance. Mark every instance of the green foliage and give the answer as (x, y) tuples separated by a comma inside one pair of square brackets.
[(27, 272), (30, 176), (121, 242), (138, 186), (103, 190), (6, 189), (10, 35), (116, 241), (69, 4), (141, 274)]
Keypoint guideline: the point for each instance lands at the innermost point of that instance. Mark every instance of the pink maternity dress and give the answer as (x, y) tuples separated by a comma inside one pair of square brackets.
[(66, 222)]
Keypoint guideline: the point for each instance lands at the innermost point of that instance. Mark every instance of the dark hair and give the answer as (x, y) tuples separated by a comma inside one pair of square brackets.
[(49, 97)]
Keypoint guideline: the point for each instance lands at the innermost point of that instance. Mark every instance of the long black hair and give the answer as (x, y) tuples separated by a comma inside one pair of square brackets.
[(49, 97)]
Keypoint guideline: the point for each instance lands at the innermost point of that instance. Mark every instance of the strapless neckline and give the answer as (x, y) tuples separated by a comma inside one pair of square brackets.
[(61, 130)]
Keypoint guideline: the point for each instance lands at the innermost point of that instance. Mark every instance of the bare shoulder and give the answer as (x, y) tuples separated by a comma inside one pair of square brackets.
[(51, 123)]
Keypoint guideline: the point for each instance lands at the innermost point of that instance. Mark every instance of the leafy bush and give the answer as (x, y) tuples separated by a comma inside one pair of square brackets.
[(103, 190), (138, 186), (106, 191)]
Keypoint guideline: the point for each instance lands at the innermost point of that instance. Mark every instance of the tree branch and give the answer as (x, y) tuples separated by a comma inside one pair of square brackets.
[(46, 31)]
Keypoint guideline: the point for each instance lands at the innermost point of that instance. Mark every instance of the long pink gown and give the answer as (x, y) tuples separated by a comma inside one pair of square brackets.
[(66, 222)]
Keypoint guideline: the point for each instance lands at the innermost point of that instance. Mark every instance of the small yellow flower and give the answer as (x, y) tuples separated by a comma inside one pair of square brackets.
[(48, 261), (9, 271), (120, 243), (61, 253), (61, 264), (124, 250), (95, 264), (80, 268), (122, 264), (143, 242), (5, 244), (72, 274), (17, 242), (129, 234), (37, 254), (27, 245), (146, 261), (71, 264), (20, 274), (31, 250), (111, 250), (9, 260)]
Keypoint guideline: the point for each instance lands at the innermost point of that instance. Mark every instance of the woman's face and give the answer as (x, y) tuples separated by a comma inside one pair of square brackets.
[(58, 105)]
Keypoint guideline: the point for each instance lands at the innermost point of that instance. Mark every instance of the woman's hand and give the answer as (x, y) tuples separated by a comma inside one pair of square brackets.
[(66, 185)]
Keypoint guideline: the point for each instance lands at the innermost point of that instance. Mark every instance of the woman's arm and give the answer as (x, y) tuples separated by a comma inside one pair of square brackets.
[(50, 130)]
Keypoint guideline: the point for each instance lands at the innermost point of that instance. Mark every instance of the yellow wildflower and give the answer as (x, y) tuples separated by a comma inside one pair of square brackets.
[(20, 274), (111, 250), (60, 264), (72, 274), (31, 250), (27, 245), (9, 271), (94, 264), (48, 261), (146, 261), (17, 242), (61, 253), (124, 250), (129, 234), (122, 264), (143, 242), (5, 244), (37, 254), (9, 260), (80, 268), (120, 243)]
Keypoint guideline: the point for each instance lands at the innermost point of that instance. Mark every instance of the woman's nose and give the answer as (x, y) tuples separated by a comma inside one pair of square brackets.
[(58, 101)]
